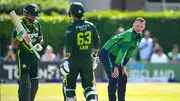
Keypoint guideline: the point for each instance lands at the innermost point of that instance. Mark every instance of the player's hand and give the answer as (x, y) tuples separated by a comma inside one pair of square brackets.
[(124, 72), (64, 68), (37, 47), (115, 74), (20, 35)]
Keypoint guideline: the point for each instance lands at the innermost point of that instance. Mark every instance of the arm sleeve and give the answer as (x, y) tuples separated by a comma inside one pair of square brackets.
[(121, 53), (119, 58), (69, 40), (123, 56), (40, 30), (127, 56), (120, 36), (97, 39)]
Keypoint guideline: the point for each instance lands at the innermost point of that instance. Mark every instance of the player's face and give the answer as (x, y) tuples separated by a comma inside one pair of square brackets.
[(138, 26), (31, 18), (72, 17)]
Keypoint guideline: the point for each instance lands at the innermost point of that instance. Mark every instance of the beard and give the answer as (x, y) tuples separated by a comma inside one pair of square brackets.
[(137, 31), (30, 20)]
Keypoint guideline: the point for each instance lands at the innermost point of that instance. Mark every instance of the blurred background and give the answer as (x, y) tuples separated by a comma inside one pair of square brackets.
[(154, 64), (157, 58)]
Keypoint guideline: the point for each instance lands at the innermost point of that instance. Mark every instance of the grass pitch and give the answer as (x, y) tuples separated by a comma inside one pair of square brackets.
[(135, 92)]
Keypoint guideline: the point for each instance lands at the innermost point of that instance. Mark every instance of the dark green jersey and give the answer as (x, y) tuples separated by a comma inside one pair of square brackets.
[(82, 38), (123, 45), (33, 30)]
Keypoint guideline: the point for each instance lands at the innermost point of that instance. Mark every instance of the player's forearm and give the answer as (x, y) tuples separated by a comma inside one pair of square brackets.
[(15, 43), (13, 57), (19, 37), (119, 59), (128, 56)]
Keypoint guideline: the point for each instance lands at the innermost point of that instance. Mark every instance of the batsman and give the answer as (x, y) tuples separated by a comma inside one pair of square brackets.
[(82, 42), (27, 60)]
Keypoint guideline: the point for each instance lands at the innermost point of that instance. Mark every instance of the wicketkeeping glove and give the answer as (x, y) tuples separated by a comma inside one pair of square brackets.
[(64, 68)]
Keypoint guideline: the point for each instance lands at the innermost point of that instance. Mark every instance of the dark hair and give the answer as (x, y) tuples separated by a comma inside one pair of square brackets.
[(159, 50), (140, 19)]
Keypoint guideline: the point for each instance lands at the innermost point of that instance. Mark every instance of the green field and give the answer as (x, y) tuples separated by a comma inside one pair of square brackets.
[(135, 92)]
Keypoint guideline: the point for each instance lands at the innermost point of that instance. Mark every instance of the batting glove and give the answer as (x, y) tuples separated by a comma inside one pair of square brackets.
[(37, 47), (20, 35), (64, 68)]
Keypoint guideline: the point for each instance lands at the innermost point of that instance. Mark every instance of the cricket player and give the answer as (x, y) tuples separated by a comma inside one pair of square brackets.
[(115, 54), (27, 61), (82, 41)]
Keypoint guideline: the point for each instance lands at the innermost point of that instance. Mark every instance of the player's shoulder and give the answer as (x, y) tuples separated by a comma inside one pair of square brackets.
[(70, 26), (36, 22), (130, 30), (89, 23)]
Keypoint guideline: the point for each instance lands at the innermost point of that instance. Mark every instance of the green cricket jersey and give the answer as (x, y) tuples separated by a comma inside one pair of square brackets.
[(123, 45), (35, 32), (82, 38)]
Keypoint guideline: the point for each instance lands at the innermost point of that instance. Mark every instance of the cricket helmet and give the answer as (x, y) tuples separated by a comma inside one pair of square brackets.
[(31, 9), (76, 8)]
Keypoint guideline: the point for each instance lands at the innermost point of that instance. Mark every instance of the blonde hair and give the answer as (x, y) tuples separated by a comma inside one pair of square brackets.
[(140, 19)]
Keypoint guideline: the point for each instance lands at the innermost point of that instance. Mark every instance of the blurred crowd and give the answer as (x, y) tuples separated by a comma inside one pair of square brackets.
[(149, 50), (48, 56)]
